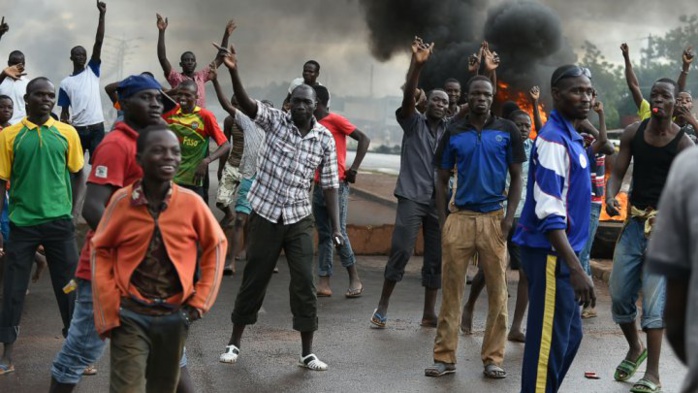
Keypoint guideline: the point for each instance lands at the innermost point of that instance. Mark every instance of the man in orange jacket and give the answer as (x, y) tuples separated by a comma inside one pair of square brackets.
[(144, 258)]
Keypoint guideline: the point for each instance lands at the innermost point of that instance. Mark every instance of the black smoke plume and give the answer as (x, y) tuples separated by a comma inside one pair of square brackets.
[(527, 36)]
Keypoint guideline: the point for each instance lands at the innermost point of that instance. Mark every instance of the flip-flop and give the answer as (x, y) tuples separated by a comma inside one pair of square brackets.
[(646, 386), (354, 292), (6, 369), (629, 367), (378, 320)]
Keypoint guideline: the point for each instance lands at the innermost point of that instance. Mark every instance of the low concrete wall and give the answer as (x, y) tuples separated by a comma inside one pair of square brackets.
[(375, 240)]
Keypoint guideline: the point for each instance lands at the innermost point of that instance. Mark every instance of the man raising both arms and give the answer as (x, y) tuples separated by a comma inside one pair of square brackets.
[(188, 62)]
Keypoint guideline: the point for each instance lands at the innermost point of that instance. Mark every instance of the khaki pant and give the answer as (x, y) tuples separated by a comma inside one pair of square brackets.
[(466, 233)]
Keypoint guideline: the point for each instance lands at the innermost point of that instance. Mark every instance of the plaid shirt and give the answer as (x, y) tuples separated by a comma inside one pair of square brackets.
[(287, 164)]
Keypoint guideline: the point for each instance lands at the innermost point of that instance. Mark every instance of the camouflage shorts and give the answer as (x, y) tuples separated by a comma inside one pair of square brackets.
[(228, 186)]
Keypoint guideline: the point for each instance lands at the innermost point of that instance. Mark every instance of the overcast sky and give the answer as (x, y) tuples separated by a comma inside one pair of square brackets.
[(275, 37)]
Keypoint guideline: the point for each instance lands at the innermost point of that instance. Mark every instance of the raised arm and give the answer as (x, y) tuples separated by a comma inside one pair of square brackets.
[(99, 39), (686, 60), (534, 93), (620, 166), (491, 60), (229, 58), (630, 77), (420, 55), (222, 99), (601, 144), (361, 150), (229, 29), (4, 27), (474, 63), (162, 51), (110, 89)]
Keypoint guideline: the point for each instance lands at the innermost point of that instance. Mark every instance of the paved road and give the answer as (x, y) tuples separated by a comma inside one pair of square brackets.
[(360, 358)]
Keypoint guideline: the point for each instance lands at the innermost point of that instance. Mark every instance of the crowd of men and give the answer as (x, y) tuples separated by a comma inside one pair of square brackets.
[(478, 185)]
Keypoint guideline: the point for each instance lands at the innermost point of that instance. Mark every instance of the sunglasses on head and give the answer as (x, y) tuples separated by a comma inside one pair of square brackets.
[(573, 73)]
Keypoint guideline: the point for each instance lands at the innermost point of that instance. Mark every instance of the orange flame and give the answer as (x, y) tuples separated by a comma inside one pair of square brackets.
[(523, 100)]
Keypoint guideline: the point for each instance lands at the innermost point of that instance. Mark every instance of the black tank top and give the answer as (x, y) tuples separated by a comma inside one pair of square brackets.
[(650, 168)]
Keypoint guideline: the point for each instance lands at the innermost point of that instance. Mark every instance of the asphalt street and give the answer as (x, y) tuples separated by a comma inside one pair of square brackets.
[(360, 358)]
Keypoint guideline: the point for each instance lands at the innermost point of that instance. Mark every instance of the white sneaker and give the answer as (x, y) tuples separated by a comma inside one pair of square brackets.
[(230, 355)]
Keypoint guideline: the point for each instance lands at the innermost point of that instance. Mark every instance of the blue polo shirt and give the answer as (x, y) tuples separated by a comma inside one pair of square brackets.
[(482, 159), (559, 190)]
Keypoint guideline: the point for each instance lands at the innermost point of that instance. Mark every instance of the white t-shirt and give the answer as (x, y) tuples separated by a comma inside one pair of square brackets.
[(81, 93), (15, 89), (299, 81)]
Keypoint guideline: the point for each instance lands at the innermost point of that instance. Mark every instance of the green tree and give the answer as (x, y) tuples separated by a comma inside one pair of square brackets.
[(608, 82)]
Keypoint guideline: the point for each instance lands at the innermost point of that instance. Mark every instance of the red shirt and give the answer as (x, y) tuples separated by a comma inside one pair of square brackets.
[(114, 164), (340, 127)]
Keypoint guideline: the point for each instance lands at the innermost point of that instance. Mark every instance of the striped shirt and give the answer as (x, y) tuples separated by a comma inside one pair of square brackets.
[(559, 190), (254, 137), (287, 164), (237, 143)]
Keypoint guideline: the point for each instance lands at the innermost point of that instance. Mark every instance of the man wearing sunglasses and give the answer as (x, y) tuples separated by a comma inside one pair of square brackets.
[(552, 231), (652, 145)]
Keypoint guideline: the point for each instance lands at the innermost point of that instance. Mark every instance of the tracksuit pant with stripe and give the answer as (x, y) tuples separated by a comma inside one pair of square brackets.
[(554, 329)]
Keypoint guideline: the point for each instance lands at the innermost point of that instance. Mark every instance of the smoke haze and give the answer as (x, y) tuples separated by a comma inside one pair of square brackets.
[(348, 37)]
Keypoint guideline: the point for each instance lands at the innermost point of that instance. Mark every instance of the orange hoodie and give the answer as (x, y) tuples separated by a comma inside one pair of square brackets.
[(121, 242)]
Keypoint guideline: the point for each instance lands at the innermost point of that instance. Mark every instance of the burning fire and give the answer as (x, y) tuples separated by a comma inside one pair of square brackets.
[(523, 100)]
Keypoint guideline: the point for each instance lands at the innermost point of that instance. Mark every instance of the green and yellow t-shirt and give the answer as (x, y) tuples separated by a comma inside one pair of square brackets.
[(193, 131), (37, 161), (644, 111)]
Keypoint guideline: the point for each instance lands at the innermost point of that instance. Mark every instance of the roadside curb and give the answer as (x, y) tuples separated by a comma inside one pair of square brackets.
[(373, 197)]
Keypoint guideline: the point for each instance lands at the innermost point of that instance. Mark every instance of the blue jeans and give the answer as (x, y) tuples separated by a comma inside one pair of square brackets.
[(82, 346), (5, 219), (324, 230), (593, 226), (629, 277)]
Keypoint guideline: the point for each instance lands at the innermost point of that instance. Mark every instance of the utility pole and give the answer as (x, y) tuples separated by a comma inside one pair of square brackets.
[(648, 53), (370, 87)]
